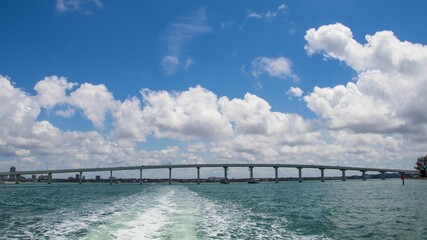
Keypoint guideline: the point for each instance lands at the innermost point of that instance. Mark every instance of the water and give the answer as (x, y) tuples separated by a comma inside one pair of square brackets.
[(373, 209)]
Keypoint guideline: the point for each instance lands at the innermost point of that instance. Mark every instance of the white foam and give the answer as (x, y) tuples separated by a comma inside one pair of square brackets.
[(166, 212), (146, 223)]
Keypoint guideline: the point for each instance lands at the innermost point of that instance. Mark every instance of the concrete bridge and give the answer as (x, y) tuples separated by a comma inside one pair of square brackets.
[(226, 166)]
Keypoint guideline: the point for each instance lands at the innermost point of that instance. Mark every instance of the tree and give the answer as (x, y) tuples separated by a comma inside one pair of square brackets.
[(421, 165)]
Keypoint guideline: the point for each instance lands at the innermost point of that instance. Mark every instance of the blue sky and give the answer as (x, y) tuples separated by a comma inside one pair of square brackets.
[(93, 83)]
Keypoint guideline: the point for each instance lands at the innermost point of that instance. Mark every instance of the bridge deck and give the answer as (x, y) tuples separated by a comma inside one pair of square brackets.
[(138, 167)]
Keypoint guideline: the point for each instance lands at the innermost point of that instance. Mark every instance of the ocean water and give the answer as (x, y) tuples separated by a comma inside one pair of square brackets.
[(373, 209)]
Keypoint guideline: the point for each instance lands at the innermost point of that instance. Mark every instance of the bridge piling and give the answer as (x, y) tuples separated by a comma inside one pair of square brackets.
[(363, 175), (17, 178), (343, 175), (251, 174), (170, 176), (198, 175), (140, 176), (111, 177), (322, 174), (382, 175), (299, 174), (276, 174), (225, 175), (49, 178), (81, 177)]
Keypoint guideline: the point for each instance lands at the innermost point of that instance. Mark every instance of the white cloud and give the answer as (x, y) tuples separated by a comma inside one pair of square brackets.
[(254, 15), (196, 147), (213, 129), (388, 95), (179, 34), (53, 90), (130, 124), (253, 115), (76, 5), (280, 67), (188, 62), (95, 101), (295, 92), (170, 64), (20, 110), (187, 115), (270, 14), (66, 113), (261, 134)]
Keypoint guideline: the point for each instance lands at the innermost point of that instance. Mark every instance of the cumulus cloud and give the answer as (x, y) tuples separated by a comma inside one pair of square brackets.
[(196, 147), (218, 128), (130, 124), (20, 110), (280, 67), (295, 92), (253, 116), (24, 139), (388, 93), (95, 101), (53, 90), (259, 132), (186, 115)]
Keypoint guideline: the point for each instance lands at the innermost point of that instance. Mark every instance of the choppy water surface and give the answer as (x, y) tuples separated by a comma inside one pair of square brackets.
[(373, 209)]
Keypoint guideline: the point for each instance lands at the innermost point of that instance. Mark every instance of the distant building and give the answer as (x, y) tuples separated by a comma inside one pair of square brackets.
[(12, 169), (98, 178), (77, 177), (43, 177), (33, 178)]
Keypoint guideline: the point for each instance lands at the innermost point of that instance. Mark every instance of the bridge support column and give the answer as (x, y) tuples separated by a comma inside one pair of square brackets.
[(140, 176), (343, 175), (198, 175), (170, 176), (81, 177), (382, 175), (299, 174), (363, 175), (322, 174), (251, 174), (276, 174), (225, 175), (49, 178), (111, 177), (17, 178)]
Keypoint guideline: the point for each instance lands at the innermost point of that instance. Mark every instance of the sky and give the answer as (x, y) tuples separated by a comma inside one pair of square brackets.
[(97, 83)]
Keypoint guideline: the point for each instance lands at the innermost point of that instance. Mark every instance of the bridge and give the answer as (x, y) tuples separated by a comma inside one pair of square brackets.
[(225, 166)]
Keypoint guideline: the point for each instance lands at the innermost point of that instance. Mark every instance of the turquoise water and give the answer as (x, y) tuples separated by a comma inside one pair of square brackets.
[(373, 209)]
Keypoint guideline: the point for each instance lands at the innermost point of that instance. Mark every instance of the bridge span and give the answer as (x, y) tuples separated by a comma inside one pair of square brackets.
[(225, 166)]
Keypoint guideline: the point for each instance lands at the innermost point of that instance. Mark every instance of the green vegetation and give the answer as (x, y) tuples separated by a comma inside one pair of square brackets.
[(421, 165)]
